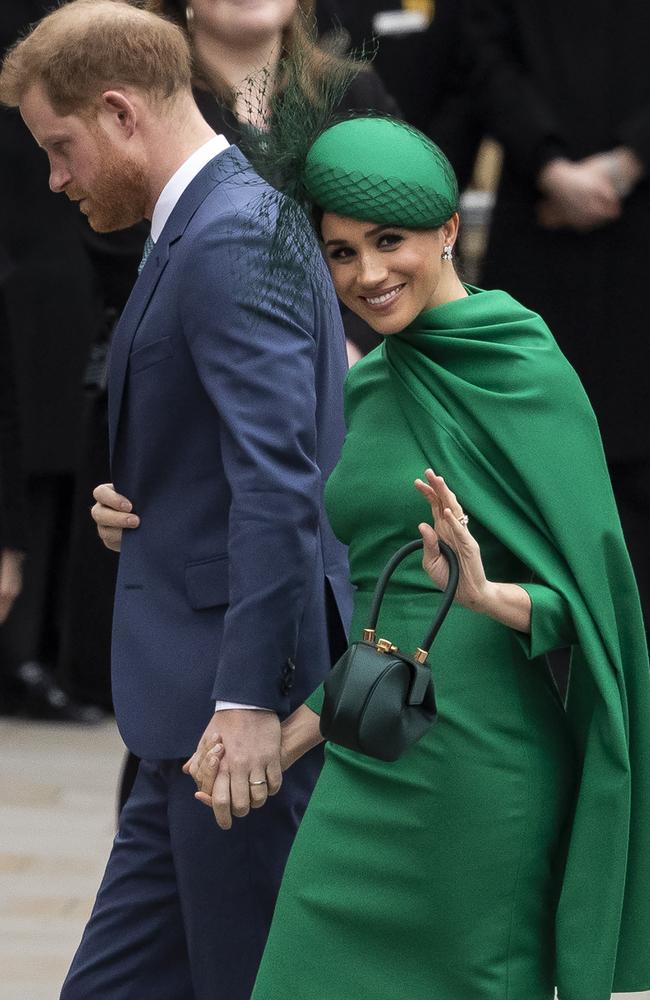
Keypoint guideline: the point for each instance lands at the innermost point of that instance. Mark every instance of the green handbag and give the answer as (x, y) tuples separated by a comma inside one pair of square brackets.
[(378, 700)]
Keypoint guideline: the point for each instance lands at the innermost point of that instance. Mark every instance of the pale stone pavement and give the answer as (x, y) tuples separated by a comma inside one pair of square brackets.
[(57, 814)]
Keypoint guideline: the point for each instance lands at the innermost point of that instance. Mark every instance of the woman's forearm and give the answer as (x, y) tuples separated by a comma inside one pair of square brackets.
[(507, 603), (300, 733)]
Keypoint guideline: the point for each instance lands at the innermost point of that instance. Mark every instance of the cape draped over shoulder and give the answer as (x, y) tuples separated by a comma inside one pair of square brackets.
[(485, 388)]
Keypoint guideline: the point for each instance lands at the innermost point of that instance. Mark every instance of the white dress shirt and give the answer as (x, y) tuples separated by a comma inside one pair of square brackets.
[(167, 200)]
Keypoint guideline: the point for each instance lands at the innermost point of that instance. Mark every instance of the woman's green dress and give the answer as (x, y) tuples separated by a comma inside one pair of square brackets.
[(443, 876)]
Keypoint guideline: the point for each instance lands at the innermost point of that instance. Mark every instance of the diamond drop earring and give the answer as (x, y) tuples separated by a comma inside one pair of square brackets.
[(446, 252), (189, 17)]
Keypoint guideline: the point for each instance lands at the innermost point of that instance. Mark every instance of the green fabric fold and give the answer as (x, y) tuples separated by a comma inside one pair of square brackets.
[(485, 389), (551, 625)]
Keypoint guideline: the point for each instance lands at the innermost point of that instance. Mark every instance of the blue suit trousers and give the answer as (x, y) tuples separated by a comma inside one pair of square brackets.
[(184, 908)]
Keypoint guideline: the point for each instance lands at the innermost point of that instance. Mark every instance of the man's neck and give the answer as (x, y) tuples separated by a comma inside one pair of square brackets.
[(244, 70), (178, 138)]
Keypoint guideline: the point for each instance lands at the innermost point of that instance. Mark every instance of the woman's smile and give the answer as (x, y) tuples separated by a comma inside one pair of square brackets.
[(384, 300)]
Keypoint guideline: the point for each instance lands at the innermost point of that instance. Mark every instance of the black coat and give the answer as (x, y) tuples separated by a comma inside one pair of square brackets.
[(556, 79), (49, 300), (12, 498)]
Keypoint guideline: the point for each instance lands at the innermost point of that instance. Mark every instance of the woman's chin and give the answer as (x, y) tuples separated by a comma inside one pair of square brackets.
[(387, 323)]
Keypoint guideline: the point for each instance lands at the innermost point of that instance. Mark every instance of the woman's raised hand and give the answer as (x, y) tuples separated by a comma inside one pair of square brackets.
[(450, 524)]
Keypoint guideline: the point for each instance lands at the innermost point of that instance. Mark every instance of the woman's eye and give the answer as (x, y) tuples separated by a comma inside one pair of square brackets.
[(341, 253), (389, 240)]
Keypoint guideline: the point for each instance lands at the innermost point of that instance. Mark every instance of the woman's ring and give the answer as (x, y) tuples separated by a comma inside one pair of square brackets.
[(262, 781), (464, 519)]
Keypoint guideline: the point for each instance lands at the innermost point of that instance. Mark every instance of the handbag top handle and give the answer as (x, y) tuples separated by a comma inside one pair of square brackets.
[(448, 596)]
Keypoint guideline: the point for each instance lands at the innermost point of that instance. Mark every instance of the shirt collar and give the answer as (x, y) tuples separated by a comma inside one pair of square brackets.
[(183, 177)]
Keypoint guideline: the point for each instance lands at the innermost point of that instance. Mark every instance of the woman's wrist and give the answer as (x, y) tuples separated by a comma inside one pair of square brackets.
[(507, 603), (300, 734)]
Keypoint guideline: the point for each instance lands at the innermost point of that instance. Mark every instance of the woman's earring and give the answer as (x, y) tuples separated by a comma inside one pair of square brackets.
[(446, 252), (189, 17)]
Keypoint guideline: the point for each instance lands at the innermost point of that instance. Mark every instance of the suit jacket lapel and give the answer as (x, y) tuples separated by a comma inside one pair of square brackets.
[(222, 166)]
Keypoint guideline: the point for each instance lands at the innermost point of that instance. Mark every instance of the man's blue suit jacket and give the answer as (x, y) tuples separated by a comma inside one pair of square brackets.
[(226, 417)]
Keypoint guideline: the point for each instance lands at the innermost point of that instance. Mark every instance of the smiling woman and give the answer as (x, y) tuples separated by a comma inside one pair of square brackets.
[(464, 869), (389, 275)]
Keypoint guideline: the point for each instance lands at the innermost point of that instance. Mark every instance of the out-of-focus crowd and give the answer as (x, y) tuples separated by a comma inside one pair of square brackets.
[(561, 90)]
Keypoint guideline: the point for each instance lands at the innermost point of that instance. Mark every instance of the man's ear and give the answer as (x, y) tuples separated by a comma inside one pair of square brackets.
[(119, 111)]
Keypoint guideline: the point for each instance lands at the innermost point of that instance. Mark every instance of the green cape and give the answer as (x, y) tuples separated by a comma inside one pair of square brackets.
[(486, 390)]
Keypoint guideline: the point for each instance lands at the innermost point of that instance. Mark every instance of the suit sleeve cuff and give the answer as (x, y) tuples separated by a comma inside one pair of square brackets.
[(224, 706)]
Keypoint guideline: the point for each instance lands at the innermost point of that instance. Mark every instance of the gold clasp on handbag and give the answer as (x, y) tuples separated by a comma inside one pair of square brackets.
[(386, 646), (382, 645)]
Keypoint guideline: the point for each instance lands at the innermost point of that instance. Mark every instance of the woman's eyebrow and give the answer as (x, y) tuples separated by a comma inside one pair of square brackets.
[(370, 233)]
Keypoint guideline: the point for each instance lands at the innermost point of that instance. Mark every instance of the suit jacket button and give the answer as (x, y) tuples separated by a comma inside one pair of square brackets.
[(288, 676)]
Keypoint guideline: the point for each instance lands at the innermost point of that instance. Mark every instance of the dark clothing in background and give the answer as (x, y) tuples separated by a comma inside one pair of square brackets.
[(88, 606), (356, 18), (13, 532), (425, 71), (49, 316), (447, 111), (571, 80)]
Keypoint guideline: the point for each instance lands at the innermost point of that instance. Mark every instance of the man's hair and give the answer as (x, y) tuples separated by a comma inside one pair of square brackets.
[(88, 46)]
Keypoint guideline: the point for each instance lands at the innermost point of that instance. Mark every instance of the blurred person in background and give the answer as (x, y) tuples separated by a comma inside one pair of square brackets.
[(48, 303), (447, 112), (565, 88), (231, 43), (12, 502)]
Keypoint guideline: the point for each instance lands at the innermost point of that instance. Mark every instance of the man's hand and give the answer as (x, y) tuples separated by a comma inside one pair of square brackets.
[(11, 580), (249, 769), (112, 513), (300, 734)]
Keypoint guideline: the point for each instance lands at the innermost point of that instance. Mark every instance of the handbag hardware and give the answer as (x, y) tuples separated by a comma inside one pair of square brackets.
[(378, 700)]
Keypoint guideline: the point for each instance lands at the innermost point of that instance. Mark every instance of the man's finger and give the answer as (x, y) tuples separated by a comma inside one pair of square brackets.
[(240, 795), (111, 537), (106, 495), (274, 777), (107, 517)]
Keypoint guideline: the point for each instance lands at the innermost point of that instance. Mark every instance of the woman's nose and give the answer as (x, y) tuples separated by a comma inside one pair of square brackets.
[(372, 270)]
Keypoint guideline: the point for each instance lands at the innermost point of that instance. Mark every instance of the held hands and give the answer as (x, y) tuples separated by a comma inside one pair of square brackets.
[(586, 194), (237, 764), (112, 514), (299, 733)]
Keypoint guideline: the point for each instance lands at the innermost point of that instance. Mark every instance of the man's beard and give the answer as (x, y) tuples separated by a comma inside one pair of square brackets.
[(119, 193)]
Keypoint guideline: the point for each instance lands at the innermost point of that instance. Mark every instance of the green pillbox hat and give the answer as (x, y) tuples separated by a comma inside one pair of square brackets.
[(381, 170)]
